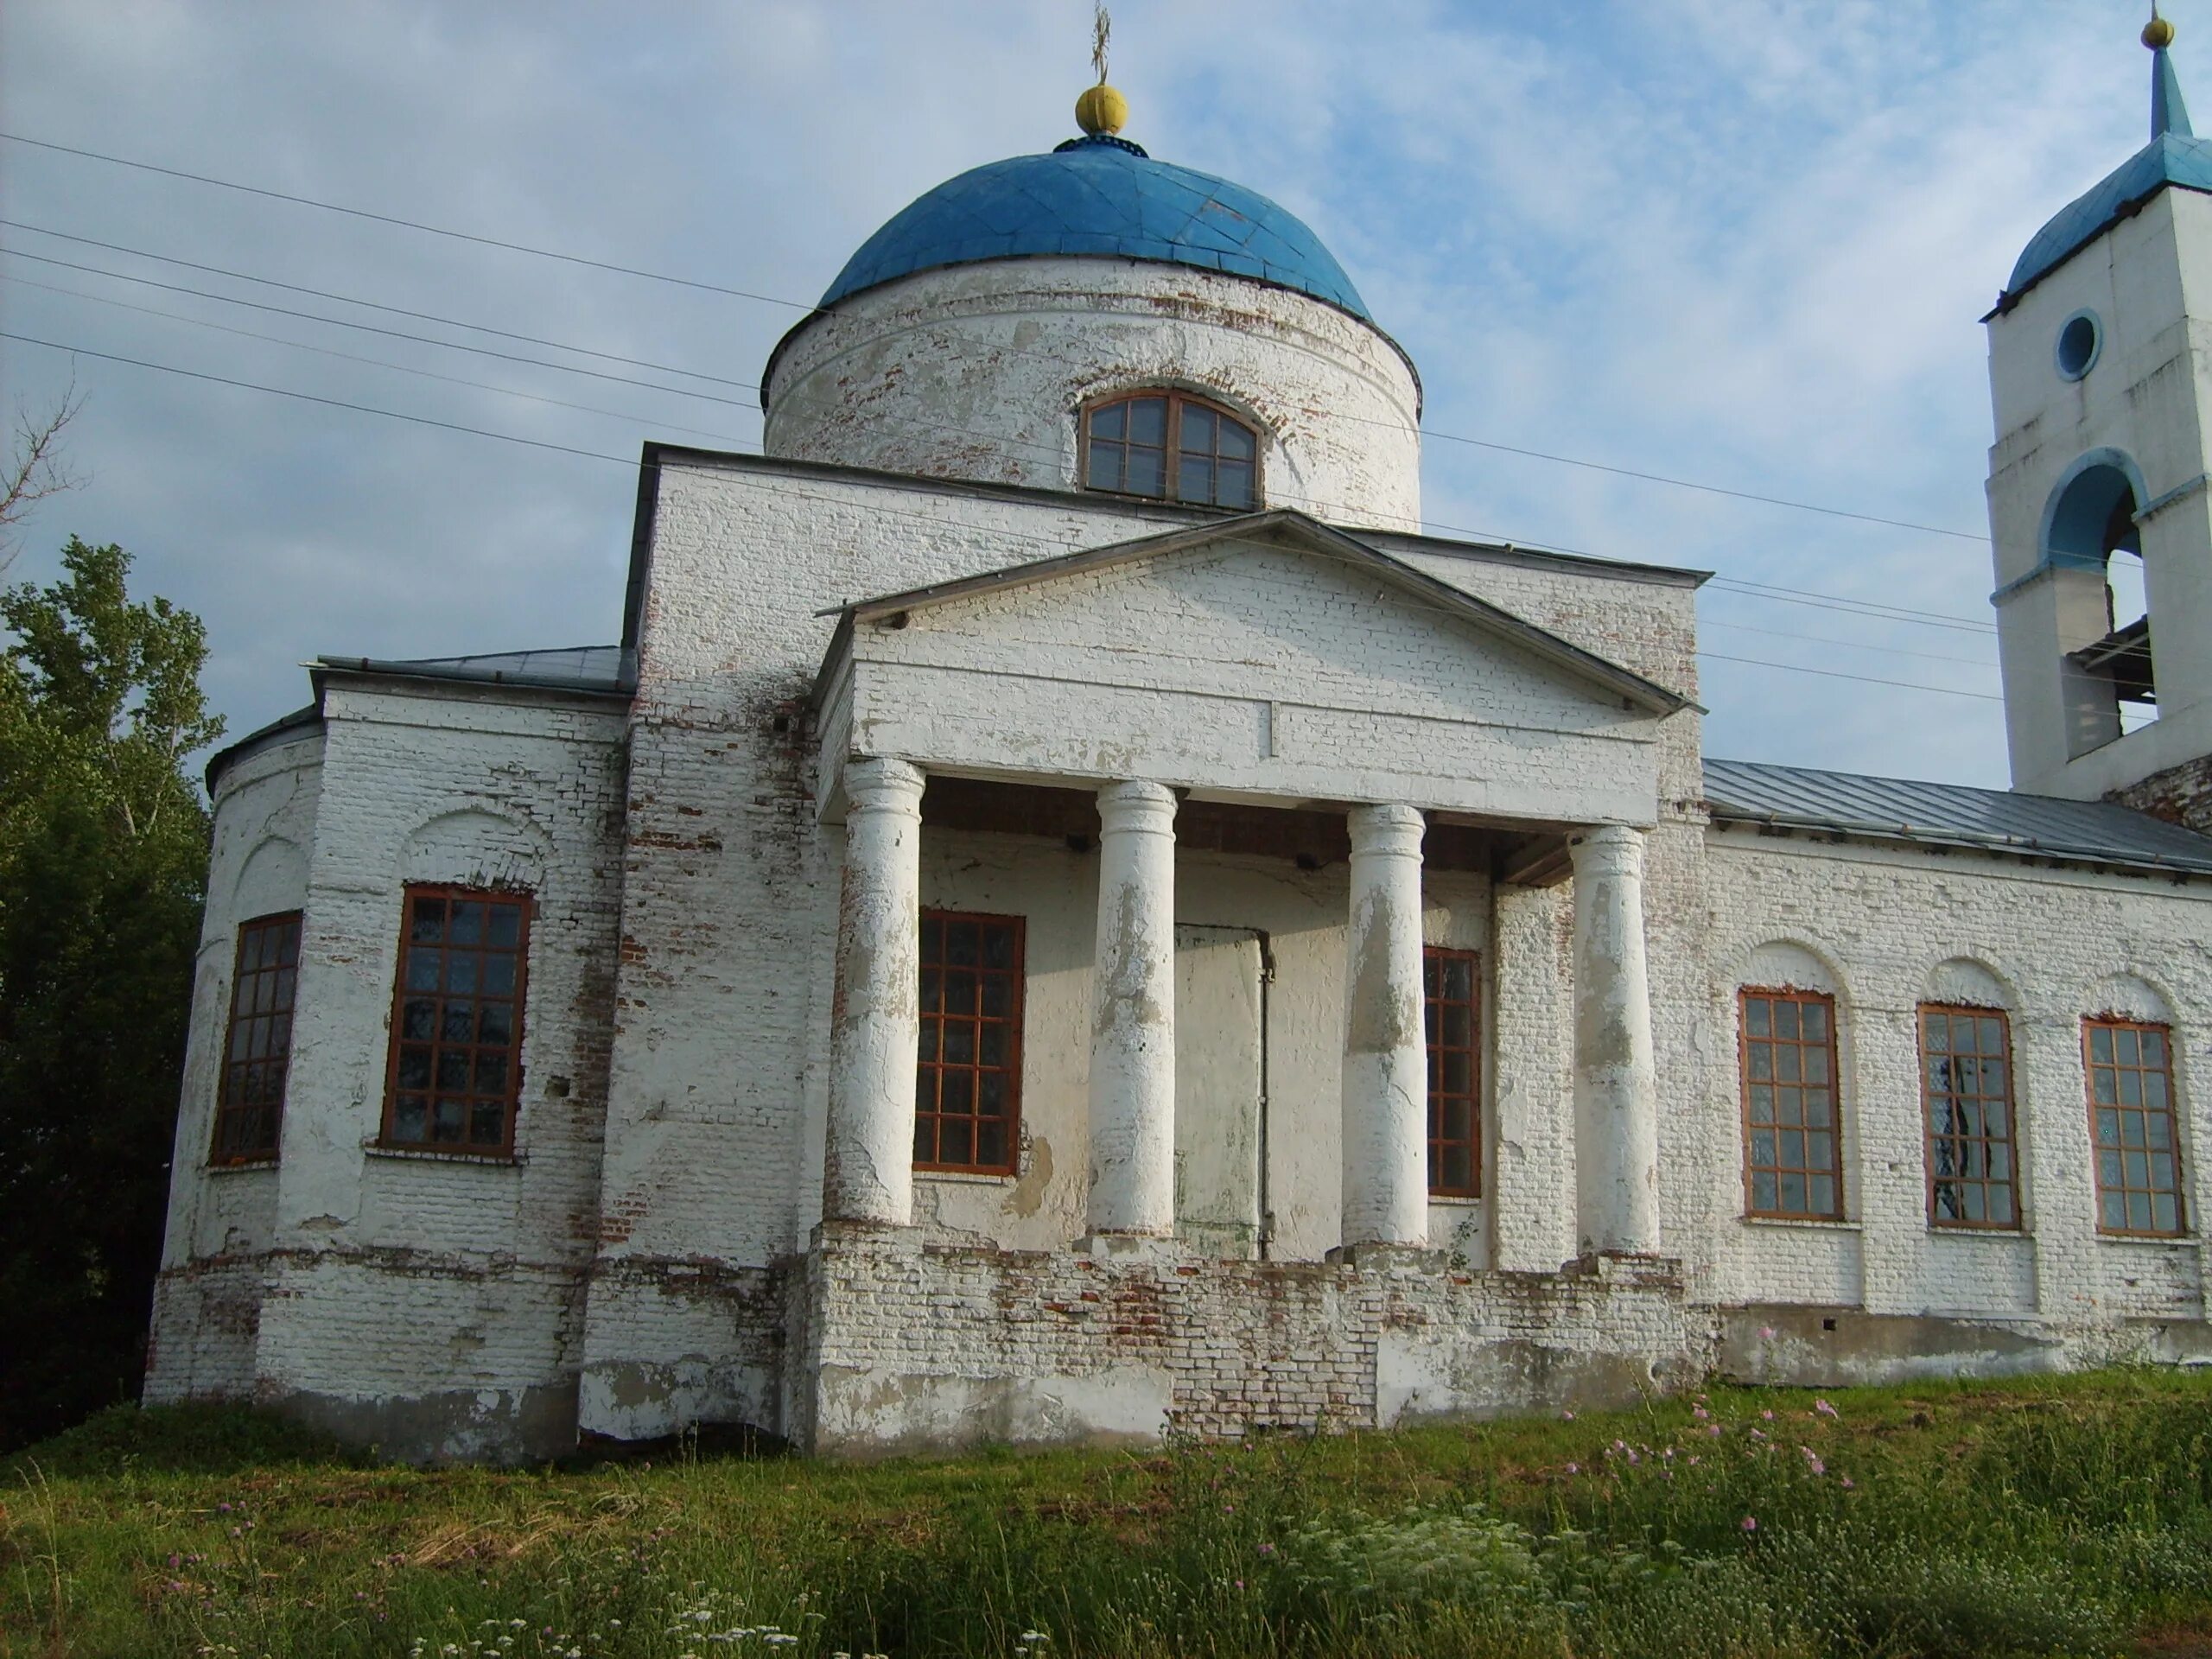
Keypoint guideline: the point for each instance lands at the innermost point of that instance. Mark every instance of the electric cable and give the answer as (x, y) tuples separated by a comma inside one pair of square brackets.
[(626, 462)]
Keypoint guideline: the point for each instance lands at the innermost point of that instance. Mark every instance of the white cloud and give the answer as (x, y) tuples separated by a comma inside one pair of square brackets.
[(1721, 238)]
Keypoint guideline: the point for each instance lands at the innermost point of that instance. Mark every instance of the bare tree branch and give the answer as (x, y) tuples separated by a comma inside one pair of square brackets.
[(36, 469)]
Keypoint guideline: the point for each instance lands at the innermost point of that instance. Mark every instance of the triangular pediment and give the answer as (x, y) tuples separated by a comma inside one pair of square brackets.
[(1273, 595)]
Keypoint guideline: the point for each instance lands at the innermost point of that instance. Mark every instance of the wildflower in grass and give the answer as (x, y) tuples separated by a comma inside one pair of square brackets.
[(1766, 1333), (1573, 1468), (1768, 1415), (1751, 1523), (1826, 1409), (1848, 1482), (1714, 1431), (1700, 1414), (1813, 1460), (1757, 1435), (1568, 1416)]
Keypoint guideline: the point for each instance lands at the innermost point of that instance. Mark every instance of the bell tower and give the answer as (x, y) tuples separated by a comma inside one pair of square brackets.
[(2100, 518)]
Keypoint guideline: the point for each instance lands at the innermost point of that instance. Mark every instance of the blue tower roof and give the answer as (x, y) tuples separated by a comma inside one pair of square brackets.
[(1100, 195), (2175, 156)]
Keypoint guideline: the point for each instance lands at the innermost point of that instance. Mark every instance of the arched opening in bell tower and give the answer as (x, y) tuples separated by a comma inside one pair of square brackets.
[(2093, 546)]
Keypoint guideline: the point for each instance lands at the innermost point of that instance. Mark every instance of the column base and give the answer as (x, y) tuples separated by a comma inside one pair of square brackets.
[(1421, 1257), (1130, 1247)]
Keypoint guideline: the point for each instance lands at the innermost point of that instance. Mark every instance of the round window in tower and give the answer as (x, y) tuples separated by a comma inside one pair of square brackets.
[(2080, 340)]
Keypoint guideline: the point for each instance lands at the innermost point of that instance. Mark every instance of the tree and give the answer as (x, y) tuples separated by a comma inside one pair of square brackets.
[(36, 469), (103, 862)]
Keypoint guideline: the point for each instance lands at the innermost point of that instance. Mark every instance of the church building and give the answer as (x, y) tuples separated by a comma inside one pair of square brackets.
[(1065, 916)]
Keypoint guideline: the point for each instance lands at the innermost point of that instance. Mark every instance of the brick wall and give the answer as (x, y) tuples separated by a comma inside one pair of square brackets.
[(2180, 794), (934, 1345)]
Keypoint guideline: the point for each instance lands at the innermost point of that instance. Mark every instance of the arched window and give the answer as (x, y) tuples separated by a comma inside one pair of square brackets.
[(1172, 447)]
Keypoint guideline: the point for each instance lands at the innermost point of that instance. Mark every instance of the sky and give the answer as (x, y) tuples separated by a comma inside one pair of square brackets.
[(1745, 243)]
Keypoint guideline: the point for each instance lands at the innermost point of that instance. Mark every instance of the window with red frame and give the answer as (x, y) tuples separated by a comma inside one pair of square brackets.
[(1793, 1154), (2132, 1121), (968, 1075), (250, 1101), (456, 1021), (1966, 1090), (1455, 1144)]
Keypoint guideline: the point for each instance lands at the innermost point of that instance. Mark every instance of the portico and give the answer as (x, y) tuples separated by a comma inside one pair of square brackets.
[(991, 686)]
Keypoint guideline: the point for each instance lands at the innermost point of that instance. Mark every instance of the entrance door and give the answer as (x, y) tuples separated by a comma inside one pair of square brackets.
[(1220, 1088)]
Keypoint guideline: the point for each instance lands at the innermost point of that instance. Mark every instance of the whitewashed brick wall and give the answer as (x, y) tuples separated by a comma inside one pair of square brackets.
[(1883, 930)]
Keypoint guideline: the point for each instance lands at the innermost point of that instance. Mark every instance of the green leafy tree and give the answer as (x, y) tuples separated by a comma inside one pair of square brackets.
[(103, 863)]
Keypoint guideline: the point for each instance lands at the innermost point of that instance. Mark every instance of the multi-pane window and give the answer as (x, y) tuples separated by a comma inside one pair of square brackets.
[(1966, 1086), (1455, 1146), (1172, 447), (1792, 1161), (456, 1023), (968, 1074), (2131, 1121), (250, 1103)]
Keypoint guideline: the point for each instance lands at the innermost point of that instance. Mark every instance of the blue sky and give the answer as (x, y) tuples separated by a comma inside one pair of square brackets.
[(1742, 242)]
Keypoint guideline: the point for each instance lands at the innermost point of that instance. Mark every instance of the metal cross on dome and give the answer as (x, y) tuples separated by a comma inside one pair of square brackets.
[(1102, 31)]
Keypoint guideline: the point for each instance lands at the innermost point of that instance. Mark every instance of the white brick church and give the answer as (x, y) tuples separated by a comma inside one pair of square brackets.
[(1066, 917)]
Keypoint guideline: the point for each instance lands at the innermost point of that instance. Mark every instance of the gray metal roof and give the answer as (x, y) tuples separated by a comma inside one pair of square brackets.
[(568, 668), (1951, 815)]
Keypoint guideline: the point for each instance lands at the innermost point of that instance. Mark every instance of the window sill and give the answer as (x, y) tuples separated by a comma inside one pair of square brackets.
[(240, 1166), (1454, 1201), (966, 1177), (1816, 1223), (2163, 1241), (1935, 1232), (432, 1155)]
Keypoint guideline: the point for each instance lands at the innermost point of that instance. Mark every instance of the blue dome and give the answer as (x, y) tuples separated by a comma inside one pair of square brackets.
[(1100, 196), (2170, 158), (2175, 156)]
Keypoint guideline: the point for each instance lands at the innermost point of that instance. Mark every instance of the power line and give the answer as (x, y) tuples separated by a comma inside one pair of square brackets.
[(623, 461), (373, 362), (309, 398), (1872, 609), (372, 328), (408, 224), (377, 305), (1708, 489), (800, 305), (1848, 644), (1838, 674)]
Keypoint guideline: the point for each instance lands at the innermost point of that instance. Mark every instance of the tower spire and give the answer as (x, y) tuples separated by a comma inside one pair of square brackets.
[(2168, 112)]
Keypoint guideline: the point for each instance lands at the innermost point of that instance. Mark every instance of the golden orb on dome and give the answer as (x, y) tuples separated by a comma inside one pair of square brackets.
[(1101, 109), (2158, 34)]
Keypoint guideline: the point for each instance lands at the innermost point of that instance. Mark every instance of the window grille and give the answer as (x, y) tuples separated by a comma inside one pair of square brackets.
[(1171, 447), (456, 1022), (257, 1046), (1966, 1085), (968, 1072), (2131, 1119), (1455, 1145), (1792, 1156)]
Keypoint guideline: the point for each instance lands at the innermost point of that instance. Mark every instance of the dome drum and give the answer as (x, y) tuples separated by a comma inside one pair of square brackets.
[(982, 370)]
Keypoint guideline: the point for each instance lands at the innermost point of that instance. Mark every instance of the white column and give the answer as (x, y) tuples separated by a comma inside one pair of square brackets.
[(1132, 1019), (1386, 1047), (867, 1172), (1616, 1085)]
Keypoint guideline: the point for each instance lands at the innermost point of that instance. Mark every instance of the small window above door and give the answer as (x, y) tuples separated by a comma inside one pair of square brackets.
[(1171, 446)]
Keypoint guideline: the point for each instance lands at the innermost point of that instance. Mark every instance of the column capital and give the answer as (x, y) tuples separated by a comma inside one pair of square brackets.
[(1133, 806), (879, 782), (1385, 829), (1606, 849)]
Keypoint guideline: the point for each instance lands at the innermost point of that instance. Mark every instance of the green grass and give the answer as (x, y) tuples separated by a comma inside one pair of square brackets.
[(2051, 1517)]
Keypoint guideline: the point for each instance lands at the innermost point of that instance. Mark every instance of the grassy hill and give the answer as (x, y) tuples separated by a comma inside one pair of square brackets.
[(2051, 1516)]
